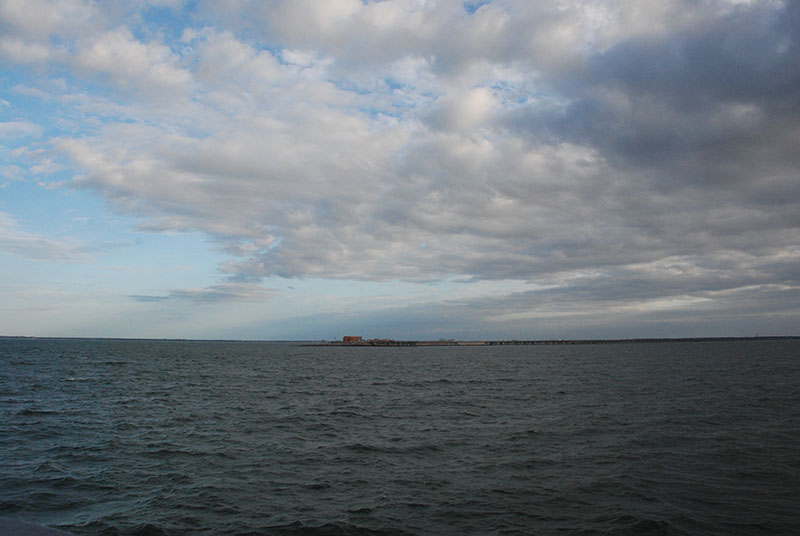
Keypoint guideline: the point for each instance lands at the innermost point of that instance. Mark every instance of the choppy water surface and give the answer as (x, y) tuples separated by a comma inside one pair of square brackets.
[(139, 437)]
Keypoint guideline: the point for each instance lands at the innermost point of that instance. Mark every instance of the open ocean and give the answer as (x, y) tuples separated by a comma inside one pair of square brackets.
[(233, 438)]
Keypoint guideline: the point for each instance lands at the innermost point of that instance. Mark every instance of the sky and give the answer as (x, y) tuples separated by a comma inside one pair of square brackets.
[(412, 169)]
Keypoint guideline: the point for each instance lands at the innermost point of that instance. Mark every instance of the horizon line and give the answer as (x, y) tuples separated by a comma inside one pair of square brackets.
[(440, 341)]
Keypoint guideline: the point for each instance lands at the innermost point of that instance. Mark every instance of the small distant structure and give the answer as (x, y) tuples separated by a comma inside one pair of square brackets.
[(350, 339)]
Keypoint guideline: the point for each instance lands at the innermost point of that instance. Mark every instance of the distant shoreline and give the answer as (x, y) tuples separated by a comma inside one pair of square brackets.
[(401, 342), (542, 342)]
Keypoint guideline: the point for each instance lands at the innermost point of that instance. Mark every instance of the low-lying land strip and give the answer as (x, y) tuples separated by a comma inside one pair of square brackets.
[(356, 341)]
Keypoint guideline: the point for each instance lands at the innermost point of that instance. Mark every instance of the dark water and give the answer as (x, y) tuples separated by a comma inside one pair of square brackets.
[(136, 437)]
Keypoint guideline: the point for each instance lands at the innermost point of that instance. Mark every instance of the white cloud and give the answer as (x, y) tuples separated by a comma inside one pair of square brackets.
[(41, 18), (465, 109), (149, 67), (14, 241), (19, 51), (17, 129)]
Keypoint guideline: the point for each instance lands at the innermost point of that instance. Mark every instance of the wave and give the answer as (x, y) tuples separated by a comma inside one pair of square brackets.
[(573, 441), (31, 412), (362, 447), (327, 529), (296, 528)]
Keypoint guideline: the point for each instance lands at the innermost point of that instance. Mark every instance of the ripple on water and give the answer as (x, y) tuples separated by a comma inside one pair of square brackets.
[(173, 438)]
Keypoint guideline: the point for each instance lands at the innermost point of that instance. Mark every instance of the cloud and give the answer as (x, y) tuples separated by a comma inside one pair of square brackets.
[(17, 129), (147, 299), (220, 293), (464, 111), (14, 241), (19, 51), (650, 145), (39, 19), (27, 28), (146, 67)]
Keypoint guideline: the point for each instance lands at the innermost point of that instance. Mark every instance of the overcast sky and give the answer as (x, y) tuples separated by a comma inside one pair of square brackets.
[(308, 169)]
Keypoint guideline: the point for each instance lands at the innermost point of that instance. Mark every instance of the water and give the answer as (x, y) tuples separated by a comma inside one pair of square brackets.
[(149, 438)]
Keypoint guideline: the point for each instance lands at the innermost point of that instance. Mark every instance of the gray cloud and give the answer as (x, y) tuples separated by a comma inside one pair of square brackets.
[(223, 292), (147, 299), (18, 242), (763, 310), (626, 153)]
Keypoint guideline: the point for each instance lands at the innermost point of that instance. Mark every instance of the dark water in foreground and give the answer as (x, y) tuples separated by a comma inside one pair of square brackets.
[(137, 437)]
